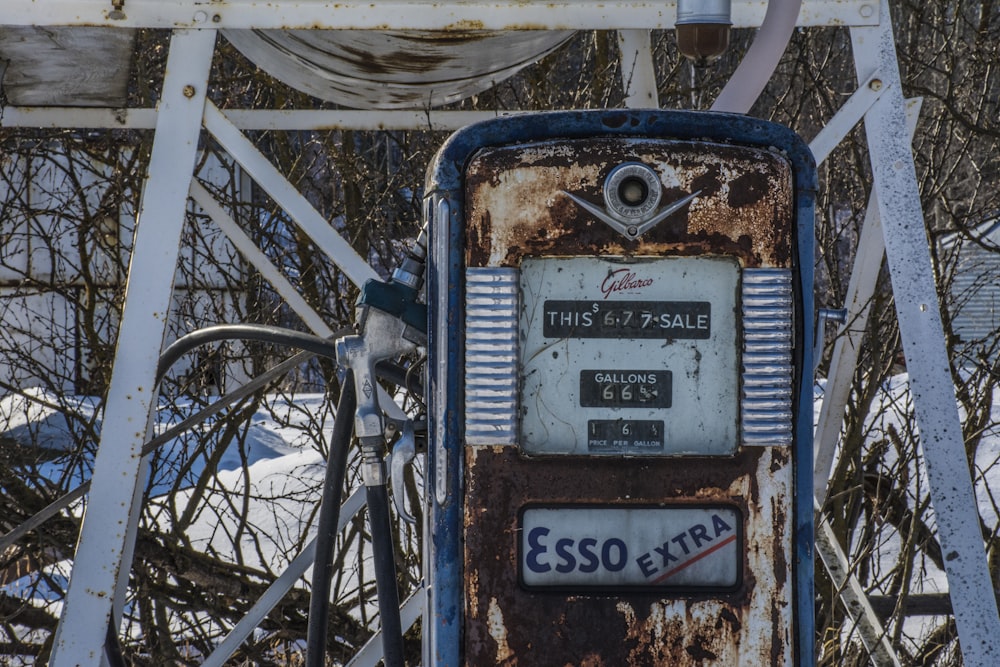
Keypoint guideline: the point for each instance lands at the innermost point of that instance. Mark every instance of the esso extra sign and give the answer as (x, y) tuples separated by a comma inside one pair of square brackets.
[(604, 547)]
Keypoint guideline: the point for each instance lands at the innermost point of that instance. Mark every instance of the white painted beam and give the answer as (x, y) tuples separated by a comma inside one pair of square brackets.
[(854, 598), (303, 214), (414, 15), (412, 608), (638, 74), (260, 261), (847, 116), (251, 119), (308, 219), (847, 346), (99, 559), (917, 309)]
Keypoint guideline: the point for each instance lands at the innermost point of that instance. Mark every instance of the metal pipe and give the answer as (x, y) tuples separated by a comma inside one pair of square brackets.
[(329, 518), (757, 66), (385, 575)]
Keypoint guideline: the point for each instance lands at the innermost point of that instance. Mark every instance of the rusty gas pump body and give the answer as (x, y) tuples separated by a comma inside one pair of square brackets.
[(620, 392)]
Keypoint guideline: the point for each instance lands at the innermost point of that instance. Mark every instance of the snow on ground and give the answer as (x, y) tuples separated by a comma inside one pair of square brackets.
[(889, 423), (274, 473), (279, 495), (45, 419), (259, 507)]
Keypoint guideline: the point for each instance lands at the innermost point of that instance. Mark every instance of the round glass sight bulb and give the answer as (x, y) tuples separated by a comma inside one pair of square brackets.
[(703, 29)]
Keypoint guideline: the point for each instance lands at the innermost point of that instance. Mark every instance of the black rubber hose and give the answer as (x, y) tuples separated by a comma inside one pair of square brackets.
[(385, 575), (259, 332), (401, 376), (329, 518), (318, 345)]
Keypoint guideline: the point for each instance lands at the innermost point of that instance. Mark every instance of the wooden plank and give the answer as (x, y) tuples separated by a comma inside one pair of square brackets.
[(60, 66)]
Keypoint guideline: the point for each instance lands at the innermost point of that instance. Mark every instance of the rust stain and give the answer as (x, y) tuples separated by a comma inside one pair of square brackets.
[(655, 628), (465, 25), (390, 63), (444, 38), (517, 193)]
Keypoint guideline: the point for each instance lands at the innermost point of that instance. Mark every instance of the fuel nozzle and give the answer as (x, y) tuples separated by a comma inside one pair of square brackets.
[(391, 321), (399, 297)]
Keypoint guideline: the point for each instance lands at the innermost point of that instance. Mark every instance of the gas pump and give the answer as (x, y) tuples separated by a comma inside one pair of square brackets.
[(620, 392)]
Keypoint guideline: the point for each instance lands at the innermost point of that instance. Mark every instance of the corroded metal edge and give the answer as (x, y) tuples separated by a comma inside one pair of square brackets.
[(517, 201)]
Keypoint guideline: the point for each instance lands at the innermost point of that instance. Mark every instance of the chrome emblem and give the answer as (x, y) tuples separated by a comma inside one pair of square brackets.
[(632, 193)]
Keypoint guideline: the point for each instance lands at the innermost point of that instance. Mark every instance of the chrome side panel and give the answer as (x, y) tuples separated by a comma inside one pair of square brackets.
[(767, 357), (491, 348)]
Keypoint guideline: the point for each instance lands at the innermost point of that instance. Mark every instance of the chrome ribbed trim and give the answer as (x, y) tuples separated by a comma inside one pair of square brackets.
[(491, 327), (766, 402)]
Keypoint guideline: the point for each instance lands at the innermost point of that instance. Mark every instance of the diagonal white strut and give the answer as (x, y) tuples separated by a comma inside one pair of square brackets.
[(917, 309), (867, 262), (100, 554), (847, 346)]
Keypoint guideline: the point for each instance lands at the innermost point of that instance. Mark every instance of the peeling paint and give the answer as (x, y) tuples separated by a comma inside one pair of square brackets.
[(654, 628), (498, 632)]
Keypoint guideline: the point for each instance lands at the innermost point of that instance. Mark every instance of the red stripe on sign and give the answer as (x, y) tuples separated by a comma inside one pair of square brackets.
[(670, 573)]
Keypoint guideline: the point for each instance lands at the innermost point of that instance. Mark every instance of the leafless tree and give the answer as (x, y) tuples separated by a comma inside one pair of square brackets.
[(65, 229)]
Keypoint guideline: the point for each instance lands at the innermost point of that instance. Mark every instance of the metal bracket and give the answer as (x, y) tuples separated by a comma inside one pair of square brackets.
[(824, 315)]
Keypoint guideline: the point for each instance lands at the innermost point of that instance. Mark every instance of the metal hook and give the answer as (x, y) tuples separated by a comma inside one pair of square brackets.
[(403, 453)]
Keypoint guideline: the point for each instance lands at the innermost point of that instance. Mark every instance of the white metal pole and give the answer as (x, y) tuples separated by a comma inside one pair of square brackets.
[(847, 116), (847, 348), (79, 638), (917, 309), (307, 218), (637, 71), (852, 594), (259, 260), (867, 263), (454, 15)]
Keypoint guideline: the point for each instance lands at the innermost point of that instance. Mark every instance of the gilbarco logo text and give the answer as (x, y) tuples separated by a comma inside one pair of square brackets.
[(623, 280)]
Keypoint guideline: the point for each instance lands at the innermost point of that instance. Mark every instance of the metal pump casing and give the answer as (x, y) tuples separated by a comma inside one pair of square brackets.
[(547, 324)]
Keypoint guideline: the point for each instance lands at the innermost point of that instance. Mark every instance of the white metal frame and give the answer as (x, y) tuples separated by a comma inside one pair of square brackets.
[(908, 255), (894, 215), (407, 14), (104, 537), (867, 264)]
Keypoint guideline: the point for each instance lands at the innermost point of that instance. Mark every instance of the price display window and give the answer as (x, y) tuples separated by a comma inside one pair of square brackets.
[(629, 356)]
